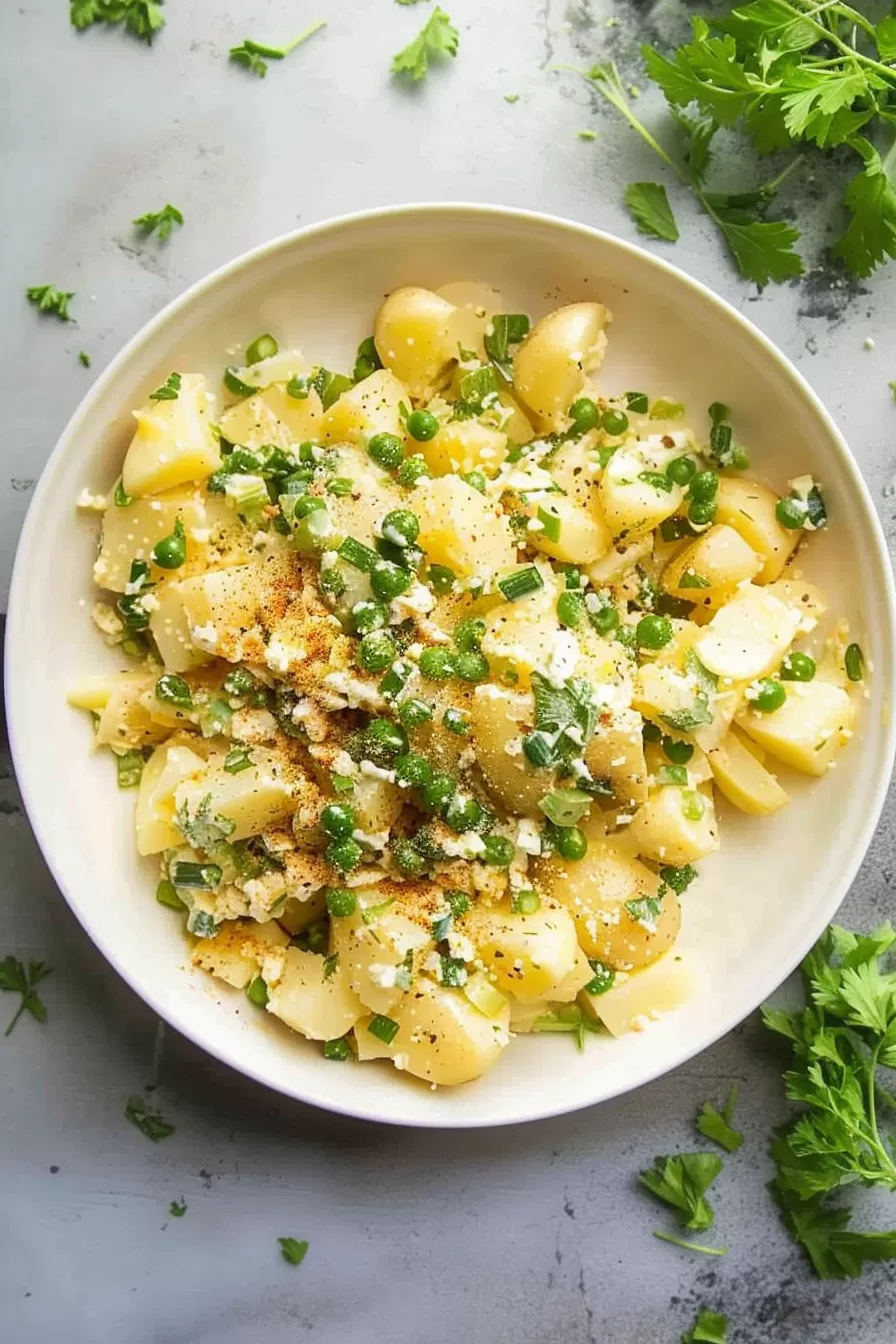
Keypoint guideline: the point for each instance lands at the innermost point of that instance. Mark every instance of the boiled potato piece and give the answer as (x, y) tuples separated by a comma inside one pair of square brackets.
[(372, 406), (641, 998), (279, 368), (550, 365), (465, 445), (130, 533), (708, 570), (224, 600), (124, 720), (414, 338), (620, 561), (527, 956), (473, 303), (373, 952), (614, 899), (570, 533), (273, 417), (255, 798), (499, 717), (743, 779), (93, 692), (320, 1008), (238, 949), (631, 496), (169, 766), (675, 825), (616, 754), (461, 529), (814, 722), (748, 637), (373, 495), (749, 508), (173, 443), (170, 629), (521, 635), (377, 804), (441, 1037)]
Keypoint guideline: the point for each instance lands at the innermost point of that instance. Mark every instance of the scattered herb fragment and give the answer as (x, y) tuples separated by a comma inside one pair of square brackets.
[(254, 56), (143, 18), (649, 207), (710, 1327), (17, 979), (716, 1125), (177, 1210), (293, 1251), (49, 300), (437, 37), (690, 1245), (682, 1181), (170, 389), (84, 358), (159, 221), (148, 1122)]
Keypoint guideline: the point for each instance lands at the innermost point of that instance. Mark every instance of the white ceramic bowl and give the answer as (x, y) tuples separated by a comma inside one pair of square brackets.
[(761, 901)]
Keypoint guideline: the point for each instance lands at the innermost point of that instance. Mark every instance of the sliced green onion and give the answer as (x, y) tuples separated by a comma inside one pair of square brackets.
[(854, 662), (248, 493), (538, 749), (329, 386), (357, 555), (121, 498), (263, 347), (550, 524), (521, 583), (235, 384), (604, 978), (237, 760), (166, 895), (637, 402), (297, 388), (565, 807), (339, 1049), (367, 360), (130, 767), (383, 1028), (201, 876), (173, 690), (672, 774), (693, 804), (483, 995), (691, 579)]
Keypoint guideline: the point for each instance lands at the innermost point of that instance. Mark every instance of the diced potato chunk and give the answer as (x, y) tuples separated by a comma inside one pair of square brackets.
[(373, 952), (168, 767), (521, 635), (743, 779), (441, 1037), (550, 366), (373, 494), (238, 949), (643, 997), (708, 571), (465, 445), (616, 754), (124, 720), (370, 407), (675, 825), (322, 1009), (461, 529), (499, 717), (130, 533), (414, 338), (93, 692), (632, 499), (174, 443), (255, 798), (749, 508), (814, 722), (569, 532), (170, 629), (528, 956), (474, 303), (273, 417), (748, 637)]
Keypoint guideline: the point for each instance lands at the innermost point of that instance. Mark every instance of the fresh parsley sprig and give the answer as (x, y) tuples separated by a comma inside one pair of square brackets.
[(142, 18), (843, 1041), (682, 1181), (293, 1251), (160, 222), (710, 1327), (716, 1125), (17, 978), (49, 300), (254, 56), (437, 37), (150, 1123)]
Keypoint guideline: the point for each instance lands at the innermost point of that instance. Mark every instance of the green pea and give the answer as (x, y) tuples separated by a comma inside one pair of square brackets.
[(463, 813), (456, 722), (797, 667), (677, 752), (341, 902), (441, 579), (468, 634), (614, 422), (437, 664), (306, 504), (343, 854), (409, 861), (337, 820), (570, 608), (389, 580), (411, 470), (681, 470), (401, 527), (771, 696), (171, 552), (584, 415), (572, 577), (471, 665), (367, 616), (376, 651), (387, 450), (422, 425), (739, 460), (791, 513), (386, 738), (476, 479), (702, 511), (413, 713), (438, 793), (653, 632), (605, 619), (571, 842), (412, 770), (704, 486), (498, 852)]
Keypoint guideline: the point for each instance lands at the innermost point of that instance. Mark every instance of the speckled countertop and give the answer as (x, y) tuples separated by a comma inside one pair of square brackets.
[(534, 1235)]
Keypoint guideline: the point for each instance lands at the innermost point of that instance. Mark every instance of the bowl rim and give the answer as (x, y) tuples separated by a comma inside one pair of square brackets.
[(14, 651)]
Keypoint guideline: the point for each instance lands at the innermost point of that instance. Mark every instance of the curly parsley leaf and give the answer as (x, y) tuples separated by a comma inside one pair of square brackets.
[(148, 1122), (649, 207), (49, 300), (437, 37), (716, 1125), (17, 978), (682, 1181), (159, 221), (710, 1327), (293, 1251), (823, 1232), (142, 18)]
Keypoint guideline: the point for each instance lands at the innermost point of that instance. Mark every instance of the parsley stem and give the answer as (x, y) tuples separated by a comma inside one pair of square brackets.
[(304, 36), (827, 32), (691, 1245), (19, 1011)]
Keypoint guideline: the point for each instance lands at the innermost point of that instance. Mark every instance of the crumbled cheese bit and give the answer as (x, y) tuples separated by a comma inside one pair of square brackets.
[(92, 503)]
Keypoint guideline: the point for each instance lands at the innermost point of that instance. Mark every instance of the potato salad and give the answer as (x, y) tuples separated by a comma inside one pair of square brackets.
[(440, 676)]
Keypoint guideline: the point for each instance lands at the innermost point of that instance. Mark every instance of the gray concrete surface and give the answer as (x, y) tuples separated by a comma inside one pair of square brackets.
[(534, 1235)]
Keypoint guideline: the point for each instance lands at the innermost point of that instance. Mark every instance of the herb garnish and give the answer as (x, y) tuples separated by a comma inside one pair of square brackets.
[(437, 37), (159, 221), (254, 56), (710, 1327), (293, 1251), (148, 1122), (716, 1125), (49, 300), (143, 18), (16, 978), (682, 1181)]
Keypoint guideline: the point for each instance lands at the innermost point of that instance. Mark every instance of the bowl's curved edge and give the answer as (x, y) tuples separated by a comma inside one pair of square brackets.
[(875, 538)]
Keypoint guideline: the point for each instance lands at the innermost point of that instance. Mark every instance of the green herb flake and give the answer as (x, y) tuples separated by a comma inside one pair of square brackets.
[(17, 978), (148, 1122), (49, 300), (293, 1251), (716, 1125), (682, 1181), (649, 207), (159, 222), (84, 358), (177, 1210), (254, 56), (437, 37), (709, 1328), (237, 760), (170, 389)]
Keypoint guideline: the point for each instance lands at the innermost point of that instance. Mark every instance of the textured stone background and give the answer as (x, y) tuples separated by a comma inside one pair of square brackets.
[(533, 1235)]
